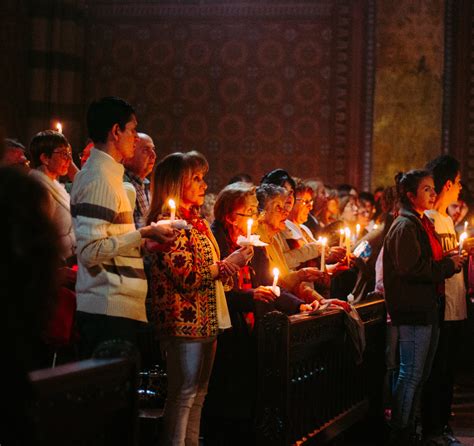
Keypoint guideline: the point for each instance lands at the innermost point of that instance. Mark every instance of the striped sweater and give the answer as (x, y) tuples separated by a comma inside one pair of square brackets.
[(110, 279)]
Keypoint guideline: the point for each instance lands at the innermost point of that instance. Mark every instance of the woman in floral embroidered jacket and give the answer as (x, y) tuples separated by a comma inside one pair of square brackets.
[(187, 288)]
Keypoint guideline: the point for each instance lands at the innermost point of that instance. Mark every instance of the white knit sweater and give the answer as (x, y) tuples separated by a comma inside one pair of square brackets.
[(111, 279)]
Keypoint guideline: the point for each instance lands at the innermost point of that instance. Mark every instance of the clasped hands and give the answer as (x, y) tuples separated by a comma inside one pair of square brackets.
[(236, 260)]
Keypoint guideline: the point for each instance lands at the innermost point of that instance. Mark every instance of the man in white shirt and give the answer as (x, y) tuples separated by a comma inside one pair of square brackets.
[(438, 391), (111, 284)]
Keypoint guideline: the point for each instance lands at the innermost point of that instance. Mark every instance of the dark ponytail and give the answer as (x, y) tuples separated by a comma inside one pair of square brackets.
[(409, 182)]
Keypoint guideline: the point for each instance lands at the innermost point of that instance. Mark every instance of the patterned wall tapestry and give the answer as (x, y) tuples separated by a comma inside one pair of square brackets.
[(252, 87)]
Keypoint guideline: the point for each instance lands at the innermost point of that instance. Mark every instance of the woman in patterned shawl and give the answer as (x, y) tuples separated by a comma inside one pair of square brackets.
[(187, 288)]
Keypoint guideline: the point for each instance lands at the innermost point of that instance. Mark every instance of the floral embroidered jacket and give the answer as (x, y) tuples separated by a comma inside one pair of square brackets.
[(182, 289)]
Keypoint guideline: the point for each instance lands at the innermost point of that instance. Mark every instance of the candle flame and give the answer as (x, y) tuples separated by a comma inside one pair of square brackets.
[(249, 222), (324, 240), (171, 203), (341, 231), (276, 272), (59, 127), (348, 232)]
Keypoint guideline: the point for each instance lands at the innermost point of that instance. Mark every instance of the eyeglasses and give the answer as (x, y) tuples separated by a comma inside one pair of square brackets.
[(305, 202), (64, 154), (252, 215)]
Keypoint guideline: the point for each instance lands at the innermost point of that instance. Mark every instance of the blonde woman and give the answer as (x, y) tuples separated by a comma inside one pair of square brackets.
[(189, 305)]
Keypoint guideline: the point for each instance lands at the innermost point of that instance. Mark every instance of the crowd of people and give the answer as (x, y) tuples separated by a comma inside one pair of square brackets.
[(124, 227)]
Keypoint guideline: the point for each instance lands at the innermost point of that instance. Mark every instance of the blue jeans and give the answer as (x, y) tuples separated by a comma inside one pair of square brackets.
[(189, 364), (417, 349), (391, 363)]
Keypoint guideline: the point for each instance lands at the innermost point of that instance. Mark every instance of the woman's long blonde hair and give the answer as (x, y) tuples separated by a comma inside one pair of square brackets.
[(168, 180)]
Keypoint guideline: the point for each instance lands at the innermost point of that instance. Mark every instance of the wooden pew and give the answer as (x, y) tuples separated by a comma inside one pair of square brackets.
[(309, 386), (91, 403)]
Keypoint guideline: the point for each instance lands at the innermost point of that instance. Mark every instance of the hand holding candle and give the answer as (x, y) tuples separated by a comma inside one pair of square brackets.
[(249, 228), (461, 241), (172, 206), (276, 273), (348, 244), (341, 237), (323, 241)]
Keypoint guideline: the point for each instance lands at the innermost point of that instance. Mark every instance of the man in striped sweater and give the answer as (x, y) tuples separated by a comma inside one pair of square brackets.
[(111, 284)]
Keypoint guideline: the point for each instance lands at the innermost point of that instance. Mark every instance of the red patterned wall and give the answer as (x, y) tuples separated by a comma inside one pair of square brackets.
[(252, 87)]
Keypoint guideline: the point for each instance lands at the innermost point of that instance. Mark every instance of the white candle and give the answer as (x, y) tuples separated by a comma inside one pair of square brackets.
[(276, 273), (59, 127), (357, 231), (249, 228), (323, 253), (348, 243), (465, 226), (341, 237), (461, 241), (172, 206)]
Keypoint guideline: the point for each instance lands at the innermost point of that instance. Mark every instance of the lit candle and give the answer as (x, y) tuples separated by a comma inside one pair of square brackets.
[(465, 226), (276, 273), (357, 231), (59, 127), (376, 226), (461, 241), (341, 237), (348, 243), (249, 228), (323, 242), (172, 206)]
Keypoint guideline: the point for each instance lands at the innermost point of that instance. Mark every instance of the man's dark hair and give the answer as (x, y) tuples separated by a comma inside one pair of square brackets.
[(278, 177), (103, 114), (443, 168), (367, 196)]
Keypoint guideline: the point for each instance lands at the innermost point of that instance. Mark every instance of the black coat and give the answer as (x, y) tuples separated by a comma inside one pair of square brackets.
[(410, 274), (233, 385), (242, 300)]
